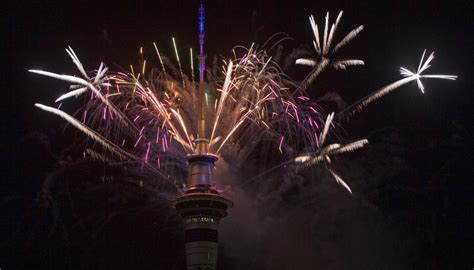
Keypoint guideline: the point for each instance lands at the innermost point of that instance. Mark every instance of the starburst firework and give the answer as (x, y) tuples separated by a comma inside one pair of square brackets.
[(325, 51), (408, 76)]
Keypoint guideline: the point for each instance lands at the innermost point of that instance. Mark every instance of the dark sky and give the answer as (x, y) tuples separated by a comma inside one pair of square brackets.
[(438, 122)]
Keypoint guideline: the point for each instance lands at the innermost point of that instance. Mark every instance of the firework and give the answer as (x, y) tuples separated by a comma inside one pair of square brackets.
[(325, 152), (408, 76), (325, 50), (149, 117)]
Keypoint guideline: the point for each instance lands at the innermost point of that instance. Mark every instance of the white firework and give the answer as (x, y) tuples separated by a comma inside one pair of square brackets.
[(408, 76), (323, 45), (325, 153), (81, 85), (421, 68)]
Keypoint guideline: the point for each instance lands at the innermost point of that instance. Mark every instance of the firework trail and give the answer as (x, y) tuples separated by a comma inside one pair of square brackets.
[(149, 117)]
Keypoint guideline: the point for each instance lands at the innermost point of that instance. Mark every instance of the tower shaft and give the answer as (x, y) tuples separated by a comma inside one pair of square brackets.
[(201, 147)]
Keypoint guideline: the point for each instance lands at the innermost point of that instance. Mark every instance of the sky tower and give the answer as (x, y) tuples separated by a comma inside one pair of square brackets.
[(201, 206)]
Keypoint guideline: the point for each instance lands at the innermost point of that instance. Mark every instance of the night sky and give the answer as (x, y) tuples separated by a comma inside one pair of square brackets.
[(412, 206)]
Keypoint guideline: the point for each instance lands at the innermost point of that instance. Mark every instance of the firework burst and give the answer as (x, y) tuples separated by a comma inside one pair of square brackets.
[(408, 76), (149, 116), (145, 116), (323, 46), (326, 151)]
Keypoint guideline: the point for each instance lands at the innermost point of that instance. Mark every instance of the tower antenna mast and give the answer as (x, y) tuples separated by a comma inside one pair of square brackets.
[(202, 144)]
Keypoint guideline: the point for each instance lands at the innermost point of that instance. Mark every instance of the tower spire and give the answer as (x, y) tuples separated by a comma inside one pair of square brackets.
[(202, 144), (202, 57)]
